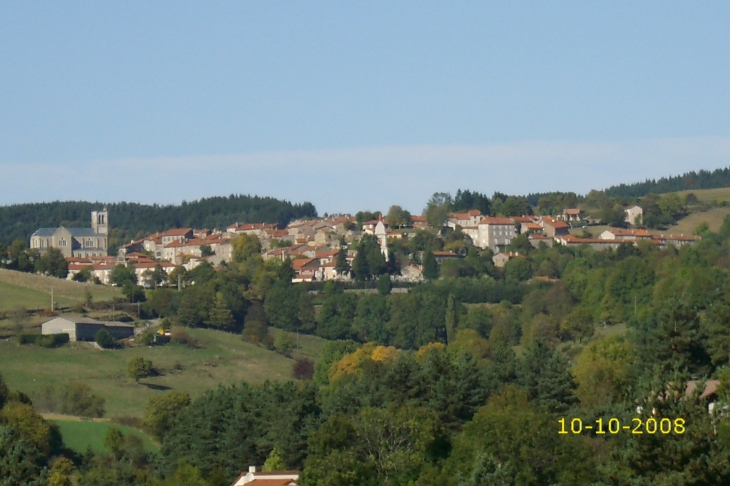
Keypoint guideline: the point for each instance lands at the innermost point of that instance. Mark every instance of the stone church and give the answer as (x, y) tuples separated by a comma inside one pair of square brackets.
[(76, 242)]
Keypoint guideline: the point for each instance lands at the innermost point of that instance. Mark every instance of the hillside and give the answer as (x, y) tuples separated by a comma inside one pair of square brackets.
[(129, 220), (219, 358), (689, 181), (32, 291)]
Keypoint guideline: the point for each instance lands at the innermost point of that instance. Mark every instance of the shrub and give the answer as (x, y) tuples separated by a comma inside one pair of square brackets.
[(181, 337), (284, 343), (147, 338), (104, 339), (44, 340), (73, 399), (303, 369), (139, 368)]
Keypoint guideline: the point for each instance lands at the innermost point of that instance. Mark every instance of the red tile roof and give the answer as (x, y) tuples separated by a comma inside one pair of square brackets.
[(623, 232), (493, 220), (445, 254), (177, 232), (300, 262), (555, 223)]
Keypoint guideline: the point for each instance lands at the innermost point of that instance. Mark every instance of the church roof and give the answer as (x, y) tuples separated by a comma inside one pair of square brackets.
[(81, 231), (74, 232), (44, 232)]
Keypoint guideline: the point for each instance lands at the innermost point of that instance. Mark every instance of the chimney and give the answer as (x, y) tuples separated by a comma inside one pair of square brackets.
[(252, 469)]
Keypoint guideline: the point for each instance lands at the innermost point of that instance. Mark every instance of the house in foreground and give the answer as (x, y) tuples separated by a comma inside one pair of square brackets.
[(84, 329), (274, 478)]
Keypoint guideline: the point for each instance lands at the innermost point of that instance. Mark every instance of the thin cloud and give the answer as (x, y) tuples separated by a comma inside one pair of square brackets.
[(347, 180)]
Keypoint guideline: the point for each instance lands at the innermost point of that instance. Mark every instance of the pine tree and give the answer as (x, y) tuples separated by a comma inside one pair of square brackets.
[(342, 267), (220, 315), (360, 266), (451, 320), (546, 375), (430, 265)]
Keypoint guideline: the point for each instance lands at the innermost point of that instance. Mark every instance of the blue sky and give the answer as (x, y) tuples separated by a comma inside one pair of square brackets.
[(356, 105)]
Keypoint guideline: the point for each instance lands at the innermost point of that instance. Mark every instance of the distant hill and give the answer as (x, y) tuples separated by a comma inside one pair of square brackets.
[(130, 220), (703, 179)]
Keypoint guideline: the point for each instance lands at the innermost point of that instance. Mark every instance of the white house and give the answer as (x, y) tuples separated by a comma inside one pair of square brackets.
[(632, 214)]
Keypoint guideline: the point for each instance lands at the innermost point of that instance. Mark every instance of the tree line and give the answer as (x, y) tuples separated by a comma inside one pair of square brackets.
[(132, 220)]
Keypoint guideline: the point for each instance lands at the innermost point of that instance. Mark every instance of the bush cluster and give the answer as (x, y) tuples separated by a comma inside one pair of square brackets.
[(72, 399), (44, 340)]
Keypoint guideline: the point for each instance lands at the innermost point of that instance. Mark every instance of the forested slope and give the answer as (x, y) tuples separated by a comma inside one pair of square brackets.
[(129, 220), (694, 180)]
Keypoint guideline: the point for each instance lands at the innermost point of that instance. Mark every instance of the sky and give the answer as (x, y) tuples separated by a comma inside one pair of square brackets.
[(356, 105)]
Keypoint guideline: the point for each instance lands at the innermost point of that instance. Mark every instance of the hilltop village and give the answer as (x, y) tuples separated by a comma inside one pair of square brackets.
[(314, 246)]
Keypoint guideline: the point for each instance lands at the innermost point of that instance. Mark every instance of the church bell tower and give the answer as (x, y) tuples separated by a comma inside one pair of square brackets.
[(100, 222)]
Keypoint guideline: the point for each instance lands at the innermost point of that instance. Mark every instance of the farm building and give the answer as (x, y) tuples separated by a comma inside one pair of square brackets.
[(84, 329)]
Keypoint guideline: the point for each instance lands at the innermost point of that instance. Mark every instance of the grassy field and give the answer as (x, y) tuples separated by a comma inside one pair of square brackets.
[(18, 289), (689, 223), (78, 435), (709, 195), (220, 358)]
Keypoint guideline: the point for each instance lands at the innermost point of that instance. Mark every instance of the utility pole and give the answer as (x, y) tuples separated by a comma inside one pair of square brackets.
[(52, 303)]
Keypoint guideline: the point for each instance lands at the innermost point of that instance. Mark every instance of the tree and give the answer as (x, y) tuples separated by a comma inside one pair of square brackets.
[(384, 284), (206, 250), (398, 217), (613, 215), (185, 475), (61, 472), (245, 246), (161, 412), (284, 343), (104, 339), (83, 275), (452, 323), (360, 266), (20, 460), (303, 369), (602, 371), (578, 324), (282, 306), (393, 445), (274, 462), (113, 441), (138, 368), (546, 375), (121, 275), (255, 325), (133, 293), (498, 432), (342, 267), (178, 276), (220, 316), (52, 263), (517, 270), (430, 266), (3, 392), (438, 209), (158, 276)]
